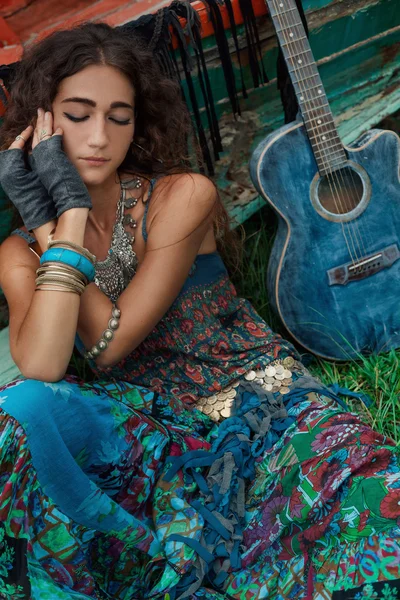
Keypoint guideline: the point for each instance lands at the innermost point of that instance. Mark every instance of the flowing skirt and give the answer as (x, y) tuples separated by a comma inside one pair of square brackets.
[(110, 491)]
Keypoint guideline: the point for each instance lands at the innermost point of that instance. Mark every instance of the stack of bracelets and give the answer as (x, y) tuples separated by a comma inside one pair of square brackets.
[(68, 267)]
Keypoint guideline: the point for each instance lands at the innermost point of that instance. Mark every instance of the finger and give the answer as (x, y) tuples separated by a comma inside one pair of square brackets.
[(47, 124), (45, 129), (23, 138), (39, 126), (58, 131)]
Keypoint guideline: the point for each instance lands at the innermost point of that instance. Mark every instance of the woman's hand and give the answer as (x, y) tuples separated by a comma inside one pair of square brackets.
[(23, 186), (56, 172)]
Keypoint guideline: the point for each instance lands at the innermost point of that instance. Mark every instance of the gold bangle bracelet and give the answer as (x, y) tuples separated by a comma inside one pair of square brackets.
[(49, 288), (65, 282), (66, 276), (60, 268)]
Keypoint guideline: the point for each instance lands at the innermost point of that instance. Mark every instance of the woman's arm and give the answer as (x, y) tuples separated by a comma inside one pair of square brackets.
[(183, 216), (42, 323)]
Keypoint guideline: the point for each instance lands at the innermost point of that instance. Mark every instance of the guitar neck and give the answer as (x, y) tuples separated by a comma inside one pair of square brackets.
[(313, 102)]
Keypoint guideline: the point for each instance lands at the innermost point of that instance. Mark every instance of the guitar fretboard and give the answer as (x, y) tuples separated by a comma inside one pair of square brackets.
[(313, 102)]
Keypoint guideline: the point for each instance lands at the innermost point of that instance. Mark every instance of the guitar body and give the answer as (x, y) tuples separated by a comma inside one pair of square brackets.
[(329, 317)]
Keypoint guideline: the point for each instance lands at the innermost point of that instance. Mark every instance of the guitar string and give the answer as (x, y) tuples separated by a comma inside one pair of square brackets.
[(331, 175), (352, 226), (302, 92)]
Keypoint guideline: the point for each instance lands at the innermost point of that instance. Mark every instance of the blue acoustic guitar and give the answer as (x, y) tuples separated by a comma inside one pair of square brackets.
[(334, 270)]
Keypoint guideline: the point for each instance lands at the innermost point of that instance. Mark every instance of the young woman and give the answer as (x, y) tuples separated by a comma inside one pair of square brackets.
[(203, 461)]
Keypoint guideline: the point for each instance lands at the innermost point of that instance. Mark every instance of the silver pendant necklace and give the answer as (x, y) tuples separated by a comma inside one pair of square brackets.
[(114, 273)]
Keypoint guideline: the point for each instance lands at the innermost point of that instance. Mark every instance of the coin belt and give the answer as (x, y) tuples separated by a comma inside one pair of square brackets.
[(275, 377)]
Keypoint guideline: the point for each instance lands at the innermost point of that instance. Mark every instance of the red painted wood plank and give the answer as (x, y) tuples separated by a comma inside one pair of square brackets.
[(44, 13), (7, 35), (7, 7)]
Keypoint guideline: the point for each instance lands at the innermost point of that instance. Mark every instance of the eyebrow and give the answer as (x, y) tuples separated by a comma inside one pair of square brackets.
[(93, 103)]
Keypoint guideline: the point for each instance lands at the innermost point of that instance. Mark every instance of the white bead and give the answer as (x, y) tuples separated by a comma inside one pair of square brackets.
[(108, 334), (113, 324)]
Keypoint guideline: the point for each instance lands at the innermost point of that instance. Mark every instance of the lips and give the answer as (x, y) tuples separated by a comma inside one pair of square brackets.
[(96, 159)]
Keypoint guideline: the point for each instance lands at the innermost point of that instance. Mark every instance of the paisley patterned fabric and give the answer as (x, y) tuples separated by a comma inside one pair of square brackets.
[(122, 489), (206, 340)]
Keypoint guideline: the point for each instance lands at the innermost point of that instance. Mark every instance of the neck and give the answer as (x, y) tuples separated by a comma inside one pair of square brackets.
[(104, 199)]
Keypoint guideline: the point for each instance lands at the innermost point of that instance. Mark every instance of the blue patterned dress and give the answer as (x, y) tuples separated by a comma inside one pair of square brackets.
[(128, 488)]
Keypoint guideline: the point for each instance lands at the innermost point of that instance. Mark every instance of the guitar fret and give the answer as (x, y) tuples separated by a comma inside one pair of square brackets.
[(290, 25), (331, 146), (332, 165), (293, 41), (339, 160), (312, 126), (309, 77), (298, 53), (305, 100), (330, 155), (301, 66), (283, 12), (313, 87), (316, 108)]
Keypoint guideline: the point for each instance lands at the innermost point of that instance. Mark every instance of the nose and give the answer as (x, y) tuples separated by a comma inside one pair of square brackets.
[(98, 136)]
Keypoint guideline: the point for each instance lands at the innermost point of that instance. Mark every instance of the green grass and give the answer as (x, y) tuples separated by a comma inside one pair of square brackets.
[(376, 375)]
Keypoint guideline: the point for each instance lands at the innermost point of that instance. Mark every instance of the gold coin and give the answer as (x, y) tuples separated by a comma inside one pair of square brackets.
[(250, 375), (260, 373), (287, 373), (207, 410), (212, 399), (270, 371), (279, 376), (226, 412), (222, 396), (232, 393), (219, 405), (288, 362), (284, 390), (269, 379), (279, 369), (287, 382)]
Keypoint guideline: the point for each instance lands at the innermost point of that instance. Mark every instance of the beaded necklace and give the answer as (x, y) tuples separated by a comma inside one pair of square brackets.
[(113, 274)]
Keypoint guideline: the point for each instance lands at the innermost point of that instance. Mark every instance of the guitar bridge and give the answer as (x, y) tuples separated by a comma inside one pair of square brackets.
[(364, 267)]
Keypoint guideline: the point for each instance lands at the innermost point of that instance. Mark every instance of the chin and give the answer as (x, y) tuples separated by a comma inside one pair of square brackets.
[(94, 176)]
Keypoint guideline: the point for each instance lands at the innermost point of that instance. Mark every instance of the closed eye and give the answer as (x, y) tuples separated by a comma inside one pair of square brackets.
[(79, 119)]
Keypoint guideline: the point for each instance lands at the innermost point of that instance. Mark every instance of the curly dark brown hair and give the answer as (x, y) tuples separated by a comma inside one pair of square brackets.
[(162, 121)]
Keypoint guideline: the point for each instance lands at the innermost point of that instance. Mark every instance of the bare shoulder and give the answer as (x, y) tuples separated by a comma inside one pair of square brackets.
[(183, 191)]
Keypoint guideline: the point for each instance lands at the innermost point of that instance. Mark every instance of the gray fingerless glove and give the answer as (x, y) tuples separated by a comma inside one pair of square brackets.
[(59, 176), (24, 189)]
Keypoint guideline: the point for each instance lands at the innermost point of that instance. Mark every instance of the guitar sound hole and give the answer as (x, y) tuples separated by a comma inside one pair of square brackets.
[(341, 191)]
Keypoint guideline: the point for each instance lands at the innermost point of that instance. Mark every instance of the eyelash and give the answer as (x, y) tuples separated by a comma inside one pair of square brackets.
[(80, 119)]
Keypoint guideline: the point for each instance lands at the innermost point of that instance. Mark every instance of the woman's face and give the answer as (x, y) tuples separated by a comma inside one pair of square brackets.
[(95, 108)]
